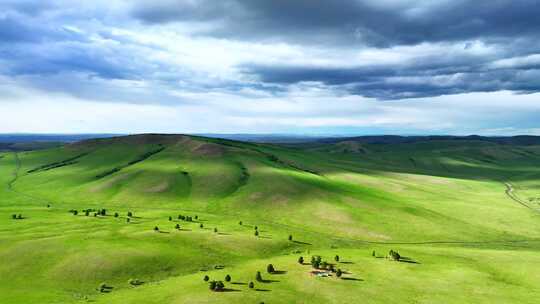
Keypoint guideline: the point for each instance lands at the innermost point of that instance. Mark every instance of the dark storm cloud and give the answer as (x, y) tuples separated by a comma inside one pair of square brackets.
[(378, 23)]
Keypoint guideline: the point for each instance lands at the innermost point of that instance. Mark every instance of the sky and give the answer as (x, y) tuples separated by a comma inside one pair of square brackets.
[(350, 67)]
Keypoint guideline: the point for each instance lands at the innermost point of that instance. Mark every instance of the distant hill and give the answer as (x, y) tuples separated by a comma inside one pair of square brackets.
[(521, 140)]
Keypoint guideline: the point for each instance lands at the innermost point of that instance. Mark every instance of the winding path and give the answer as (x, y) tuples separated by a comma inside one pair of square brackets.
[(511, 194)]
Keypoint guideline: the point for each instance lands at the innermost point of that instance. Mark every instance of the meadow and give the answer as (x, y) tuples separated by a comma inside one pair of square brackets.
[(464, 217)]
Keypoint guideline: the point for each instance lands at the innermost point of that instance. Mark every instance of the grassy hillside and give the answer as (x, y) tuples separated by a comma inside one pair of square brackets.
[(465, 214)]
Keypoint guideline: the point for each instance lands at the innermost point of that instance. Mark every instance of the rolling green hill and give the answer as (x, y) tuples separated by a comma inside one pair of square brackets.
[(464, 215)]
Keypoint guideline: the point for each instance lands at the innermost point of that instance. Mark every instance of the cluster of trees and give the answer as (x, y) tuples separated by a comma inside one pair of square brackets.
[(185, 218), (216, 286), (318, 263), (394, 255), (17, 217)]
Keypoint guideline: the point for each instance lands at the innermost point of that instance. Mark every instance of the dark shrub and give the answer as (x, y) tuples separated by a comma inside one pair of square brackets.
[(256, 228), (75, 212), (212, 285), (128, 220), (196, 217), (240, 223), (156, 228), (20, 217), (206, 278), (116, 214), (227, 278), (87, 212), (270, 268), (14, 216), (103, 212)]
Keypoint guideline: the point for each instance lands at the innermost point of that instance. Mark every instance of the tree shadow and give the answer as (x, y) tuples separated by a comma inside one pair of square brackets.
[(302, 243), (269, 281), (224, 233), (279, 272), (163, 231), (230, 290), (183, 229), (346, 262), (239, 283), (408, 260), (351, 279), (265, 237), (260, 289)]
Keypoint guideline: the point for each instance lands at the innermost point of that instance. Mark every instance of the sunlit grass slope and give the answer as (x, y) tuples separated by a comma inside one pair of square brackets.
[(443, 204)]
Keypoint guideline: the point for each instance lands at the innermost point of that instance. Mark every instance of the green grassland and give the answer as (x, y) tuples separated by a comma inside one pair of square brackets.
[(445, 206)]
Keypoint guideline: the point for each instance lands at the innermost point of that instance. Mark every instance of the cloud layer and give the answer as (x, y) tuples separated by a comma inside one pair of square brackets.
[(274, 66)]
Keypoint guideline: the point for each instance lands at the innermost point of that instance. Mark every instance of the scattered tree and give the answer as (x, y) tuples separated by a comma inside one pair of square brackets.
[(336, 258), (103, 212), (270, 268), (251, 285), (227, 278), (20, 217), (130, 214), (215, 230), (201, 225), (48, 206), (256, 228), (87, 212), (290, 237), (128, 220), (373, 253), (301, 260), (156, 228), (394, 255), (95, 214), (219, 286), (212, 285), (177, 226), (196, 217), (206, 278), (240, 223), (75, 212), (116, 214), (256, 232), (170, 218), (339, 273), (14, 216), (258, 277)]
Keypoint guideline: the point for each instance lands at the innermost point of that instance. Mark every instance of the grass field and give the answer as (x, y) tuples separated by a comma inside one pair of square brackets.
[(444, 206)]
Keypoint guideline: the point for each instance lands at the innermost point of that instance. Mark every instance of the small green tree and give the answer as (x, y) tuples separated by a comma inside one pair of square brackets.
[(103, 212), (301, 260), (270, 268), (215, 230), (196, 217), (227, 278), (290, 237), (206, 278), (116, 214), (336, 258), (20, 217), (177, 226), (251, 285), (170, 218), (14, 216), (258, 277), (373, 253), (129, 214), (128, 220), (256, 228), (75, 212), (212, 285), (87, 212), (156, 228), (256, 232), (201, 225), (240, 223), (339, 273), (219, 286)]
